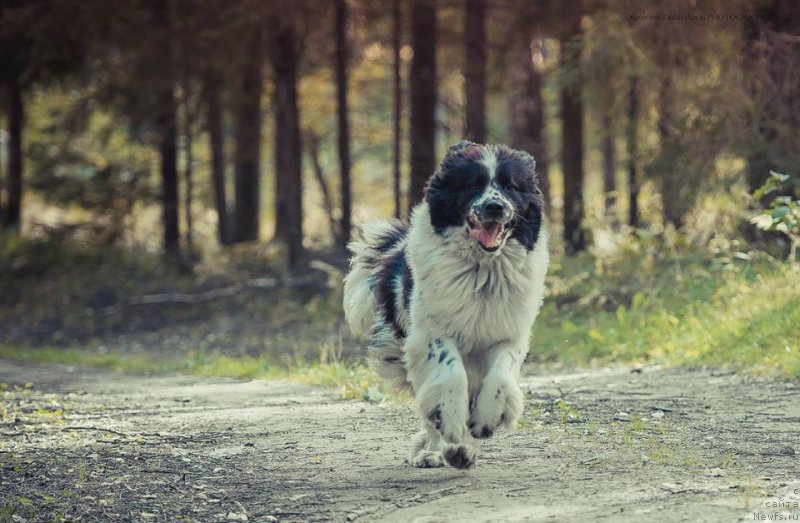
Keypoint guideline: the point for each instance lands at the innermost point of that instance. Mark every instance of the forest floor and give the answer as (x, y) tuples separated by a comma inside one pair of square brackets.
[(615, 444)]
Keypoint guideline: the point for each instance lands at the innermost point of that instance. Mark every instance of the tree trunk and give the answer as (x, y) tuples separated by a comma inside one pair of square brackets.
[(526, 106), (216, 144), (475, 70), (312, 146), (572, 150), (423, 97), (166, 124), (397, 15), (344, 128), (633, 152), (767, 73), (288, 186), (609, 152), (169, 170), (672, 205), (3, 165), (188, 168), (15, 112), (247, 132)]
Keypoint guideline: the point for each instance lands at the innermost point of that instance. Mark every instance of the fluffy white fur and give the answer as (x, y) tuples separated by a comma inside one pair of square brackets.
[(468, 328)]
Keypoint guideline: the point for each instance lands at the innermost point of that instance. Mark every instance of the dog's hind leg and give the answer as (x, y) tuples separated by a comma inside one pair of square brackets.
[(440, 383), (426, 451)]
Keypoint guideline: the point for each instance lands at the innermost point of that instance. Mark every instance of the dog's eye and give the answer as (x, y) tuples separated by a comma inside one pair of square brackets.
[(512, 187)]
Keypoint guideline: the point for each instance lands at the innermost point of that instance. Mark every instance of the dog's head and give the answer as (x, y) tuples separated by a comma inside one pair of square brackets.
[(488, 192)]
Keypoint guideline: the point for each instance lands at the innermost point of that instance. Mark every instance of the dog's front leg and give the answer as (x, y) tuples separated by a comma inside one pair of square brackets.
[(499, 402), (437, 374)]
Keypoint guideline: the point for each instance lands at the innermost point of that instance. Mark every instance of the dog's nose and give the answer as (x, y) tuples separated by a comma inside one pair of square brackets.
[(493, 210)]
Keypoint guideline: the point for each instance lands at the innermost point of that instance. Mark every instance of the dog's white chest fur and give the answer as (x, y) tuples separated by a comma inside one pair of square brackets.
[(460, 292)]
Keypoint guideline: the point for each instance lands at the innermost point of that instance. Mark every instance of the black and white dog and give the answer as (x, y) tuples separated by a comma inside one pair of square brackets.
[(449, 299)]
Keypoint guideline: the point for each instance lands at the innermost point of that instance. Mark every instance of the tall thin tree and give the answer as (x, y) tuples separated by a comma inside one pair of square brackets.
[(2, 160), (397, 28), (344, 128), (288, 147), (188, 168), (168, 137), (423, 97), (609, 153), (525, 102), (633, 152), (673, 209), (15, 114), (216, 145), (572, 142), (475, 69), (247, 131), (166, 119)]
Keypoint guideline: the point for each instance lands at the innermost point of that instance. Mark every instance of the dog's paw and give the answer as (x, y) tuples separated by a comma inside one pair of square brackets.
[(498, 404), (461, 456), (427, 459), (483, 431)]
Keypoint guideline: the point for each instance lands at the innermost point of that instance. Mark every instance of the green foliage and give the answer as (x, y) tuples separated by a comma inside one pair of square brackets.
[(80, 155), (656, 299), (647, 304), (782, 213)]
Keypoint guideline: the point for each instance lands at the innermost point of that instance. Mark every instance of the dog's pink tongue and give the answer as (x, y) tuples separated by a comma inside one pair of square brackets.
[(487, 235)]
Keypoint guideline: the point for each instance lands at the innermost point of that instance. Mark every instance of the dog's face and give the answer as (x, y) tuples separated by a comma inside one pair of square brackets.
[(489, 193)]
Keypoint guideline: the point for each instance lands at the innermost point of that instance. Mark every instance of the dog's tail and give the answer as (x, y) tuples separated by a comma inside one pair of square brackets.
[(360, 303), (381, 242), (361, 308)]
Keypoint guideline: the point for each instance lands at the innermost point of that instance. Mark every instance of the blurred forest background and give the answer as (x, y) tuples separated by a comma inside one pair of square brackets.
[(180, 177)]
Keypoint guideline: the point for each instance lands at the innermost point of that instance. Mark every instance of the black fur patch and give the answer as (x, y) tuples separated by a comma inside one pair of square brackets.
[(435, 417), (485, 432), (386, 289), (442, 356), (516, 178), (408, 286), (462, 177), (457, 457), (451, 190), (391, 237)]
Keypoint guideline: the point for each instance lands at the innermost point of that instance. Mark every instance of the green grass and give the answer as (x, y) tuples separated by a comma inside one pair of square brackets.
[(740, 310), (350, 381), (651, 301)]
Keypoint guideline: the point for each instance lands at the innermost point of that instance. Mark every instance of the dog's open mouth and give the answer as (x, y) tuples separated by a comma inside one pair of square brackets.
[(488, 234)]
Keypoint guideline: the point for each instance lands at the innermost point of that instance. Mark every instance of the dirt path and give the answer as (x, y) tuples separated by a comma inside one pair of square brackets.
[(605, 445)]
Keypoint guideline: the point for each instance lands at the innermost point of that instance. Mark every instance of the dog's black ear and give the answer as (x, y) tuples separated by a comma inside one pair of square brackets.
[(524, 159), (458, 149), (458, 152), (527, 159)]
